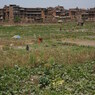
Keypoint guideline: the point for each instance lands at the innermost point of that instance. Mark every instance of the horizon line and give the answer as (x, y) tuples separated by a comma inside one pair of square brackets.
[(44, 7)]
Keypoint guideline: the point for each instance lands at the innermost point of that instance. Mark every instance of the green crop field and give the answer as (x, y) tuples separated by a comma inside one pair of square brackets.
[(62, 64)]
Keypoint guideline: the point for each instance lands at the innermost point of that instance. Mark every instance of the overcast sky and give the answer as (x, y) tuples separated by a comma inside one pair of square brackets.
[(47, 3)]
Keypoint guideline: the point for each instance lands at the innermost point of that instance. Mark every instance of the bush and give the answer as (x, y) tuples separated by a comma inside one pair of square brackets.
[(6, 47), (17, 19), (47, 71), (44, 81)]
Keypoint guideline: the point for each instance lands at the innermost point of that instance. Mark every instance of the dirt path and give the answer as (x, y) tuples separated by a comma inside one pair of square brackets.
[(80, 42)]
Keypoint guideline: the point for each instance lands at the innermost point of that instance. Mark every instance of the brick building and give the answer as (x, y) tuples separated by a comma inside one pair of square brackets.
[(1, 15), (11, 12), (91, 14), (50, 15), (15, 13), (30, 15), (76, 13)]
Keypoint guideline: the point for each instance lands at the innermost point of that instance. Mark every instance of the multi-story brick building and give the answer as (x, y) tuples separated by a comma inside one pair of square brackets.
[(91, 14), (50, 15), (25, 14), (76, 13), (15, 13), (1, 15)]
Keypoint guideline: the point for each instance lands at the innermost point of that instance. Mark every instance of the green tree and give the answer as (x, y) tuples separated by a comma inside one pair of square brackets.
[(17, 19)]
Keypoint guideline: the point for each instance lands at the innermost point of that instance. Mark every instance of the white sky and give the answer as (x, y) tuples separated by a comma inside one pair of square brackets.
[(50, 3)]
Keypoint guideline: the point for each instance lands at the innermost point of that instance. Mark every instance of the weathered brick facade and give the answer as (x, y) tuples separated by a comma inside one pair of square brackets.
[(82, 14), (91, 14), (13, 13), (1, 15)]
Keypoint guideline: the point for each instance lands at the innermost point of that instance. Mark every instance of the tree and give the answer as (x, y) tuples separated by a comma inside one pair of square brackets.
[(17, 19)]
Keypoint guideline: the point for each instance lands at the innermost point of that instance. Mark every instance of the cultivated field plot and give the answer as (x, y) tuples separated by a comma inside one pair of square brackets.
[(62, 64)]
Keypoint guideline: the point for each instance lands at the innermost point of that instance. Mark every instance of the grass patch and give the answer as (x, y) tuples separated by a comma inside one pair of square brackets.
[(51, 67)]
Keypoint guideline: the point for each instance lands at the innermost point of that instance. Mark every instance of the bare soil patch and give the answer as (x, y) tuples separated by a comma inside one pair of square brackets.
[(80, 42)]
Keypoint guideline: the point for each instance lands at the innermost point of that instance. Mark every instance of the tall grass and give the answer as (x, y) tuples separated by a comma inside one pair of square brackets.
[(43, 55)]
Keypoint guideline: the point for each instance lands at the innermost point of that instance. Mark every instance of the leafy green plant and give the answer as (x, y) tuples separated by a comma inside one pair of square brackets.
[(51, 61), (17, 19), (47, 71), (32, 60), (6, 47), (44, 81)]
